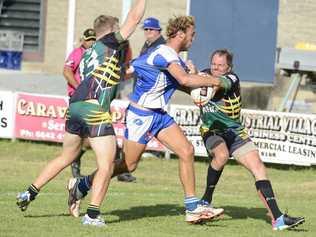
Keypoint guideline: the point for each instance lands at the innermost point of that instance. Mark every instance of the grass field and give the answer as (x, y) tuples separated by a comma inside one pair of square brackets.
[(153, 206)]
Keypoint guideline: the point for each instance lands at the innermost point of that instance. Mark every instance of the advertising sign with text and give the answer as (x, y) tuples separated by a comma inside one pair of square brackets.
[(286, 138), (188, 118), (283, 138), (40, 117), (6, 114)]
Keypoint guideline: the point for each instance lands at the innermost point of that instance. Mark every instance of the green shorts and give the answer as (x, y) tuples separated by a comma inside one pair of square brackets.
[(88, 119)]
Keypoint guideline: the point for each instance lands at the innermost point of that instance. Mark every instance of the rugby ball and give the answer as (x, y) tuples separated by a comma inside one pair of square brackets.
[(202, 95)]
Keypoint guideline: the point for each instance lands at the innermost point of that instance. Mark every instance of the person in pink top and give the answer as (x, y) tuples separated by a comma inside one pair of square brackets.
[(72, 76), (71, 66)]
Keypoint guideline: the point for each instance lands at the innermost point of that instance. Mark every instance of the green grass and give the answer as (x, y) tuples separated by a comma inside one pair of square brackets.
[(153, 206)]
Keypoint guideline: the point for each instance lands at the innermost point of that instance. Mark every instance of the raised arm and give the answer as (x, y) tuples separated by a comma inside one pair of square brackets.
[(133, 18)]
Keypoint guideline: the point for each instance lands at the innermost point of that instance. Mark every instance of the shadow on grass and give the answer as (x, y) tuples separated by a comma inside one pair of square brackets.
[(131, 213), (165, 210), (236, 212), (139, 212)]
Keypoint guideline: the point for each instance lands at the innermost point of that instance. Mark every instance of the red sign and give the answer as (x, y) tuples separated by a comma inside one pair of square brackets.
[(40, 117)]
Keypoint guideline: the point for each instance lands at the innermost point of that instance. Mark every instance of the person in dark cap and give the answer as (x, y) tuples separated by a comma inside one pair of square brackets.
[(71, 66), (72, 76), (152, 32), (88, 35)]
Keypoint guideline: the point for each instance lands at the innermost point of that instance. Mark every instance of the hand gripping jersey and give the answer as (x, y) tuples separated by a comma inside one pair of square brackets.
[(222, 112), (155, 85), (101, 69)]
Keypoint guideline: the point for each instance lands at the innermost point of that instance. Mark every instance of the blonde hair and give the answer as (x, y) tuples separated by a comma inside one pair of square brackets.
[(104, 23), (180, 23)]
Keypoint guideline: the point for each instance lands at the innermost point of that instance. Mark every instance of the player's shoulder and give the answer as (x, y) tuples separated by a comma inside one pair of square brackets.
[(232, 76), (162, 48), (113, 40), (165, 52)]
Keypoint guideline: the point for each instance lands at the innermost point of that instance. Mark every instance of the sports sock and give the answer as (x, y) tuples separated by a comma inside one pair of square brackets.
[(191, 203), (84, 184), (265, 190), (75, 165), (212, 179), (33, 192), (93, 211)]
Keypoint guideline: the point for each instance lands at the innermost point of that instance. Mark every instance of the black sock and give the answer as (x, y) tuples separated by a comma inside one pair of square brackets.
[(265, 188), (33, 192), (93, 211), (75, 165), (119, 153), (212, 179)]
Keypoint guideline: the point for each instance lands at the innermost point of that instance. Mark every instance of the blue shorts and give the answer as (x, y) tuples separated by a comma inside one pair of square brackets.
[(143, 125)]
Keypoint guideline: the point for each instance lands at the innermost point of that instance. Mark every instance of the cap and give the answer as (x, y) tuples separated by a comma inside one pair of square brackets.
[(89, 34), (151, 23)]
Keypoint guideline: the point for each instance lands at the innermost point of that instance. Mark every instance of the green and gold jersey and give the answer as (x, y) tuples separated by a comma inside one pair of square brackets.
[(101, 69), (222, 112)]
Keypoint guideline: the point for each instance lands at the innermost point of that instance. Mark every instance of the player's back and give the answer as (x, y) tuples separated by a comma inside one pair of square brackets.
[(101, 70)]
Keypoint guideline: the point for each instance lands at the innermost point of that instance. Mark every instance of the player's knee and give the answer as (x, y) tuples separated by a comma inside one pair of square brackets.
[(220, 159), (187, 152)]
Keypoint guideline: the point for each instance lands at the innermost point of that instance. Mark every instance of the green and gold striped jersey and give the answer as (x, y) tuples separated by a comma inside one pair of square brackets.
[(101, 69), (222, 112)]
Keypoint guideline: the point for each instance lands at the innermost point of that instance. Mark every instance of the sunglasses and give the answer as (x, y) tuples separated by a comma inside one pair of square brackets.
[(148, 29)]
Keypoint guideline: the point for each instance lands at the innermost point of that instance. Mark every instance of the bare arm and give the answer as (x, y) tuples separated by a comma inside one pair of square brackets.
[(70, 77), (192, 80), (133, 18)]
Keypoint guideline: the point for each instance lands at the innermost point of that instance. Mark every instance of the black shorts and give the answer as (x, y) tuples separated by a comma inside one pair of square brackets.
[(238, 143), (88, 119)]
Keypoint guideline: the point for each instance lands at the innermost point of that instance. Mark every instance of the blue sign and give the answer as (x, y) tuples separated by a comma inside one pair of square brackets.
[(248, 28)]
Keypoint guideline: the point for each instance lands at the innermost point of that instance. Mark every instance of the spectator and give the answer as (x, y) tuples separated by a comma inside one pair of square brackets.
[(152, 32)]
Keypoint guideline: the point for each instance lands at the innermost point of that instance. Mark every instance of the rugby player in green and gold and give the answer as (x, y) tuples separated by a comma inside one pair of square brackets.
[(224, 136), (89, 112)]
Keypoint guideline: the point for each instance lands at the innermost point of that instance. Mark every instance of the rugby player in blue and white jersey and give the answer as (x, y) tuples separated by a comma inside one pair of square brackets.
[(159, 74)]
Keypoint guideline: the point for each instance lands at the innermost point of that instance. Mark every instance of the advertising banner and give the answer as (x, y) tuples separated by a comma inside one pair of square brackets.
[(188, 118), (283, 138), (40, 117), (7, 108)]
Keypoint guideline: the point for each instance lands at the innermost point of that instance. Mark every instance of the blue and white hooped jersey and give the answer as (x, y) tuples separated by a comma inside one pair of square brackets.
[(155, 85)]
